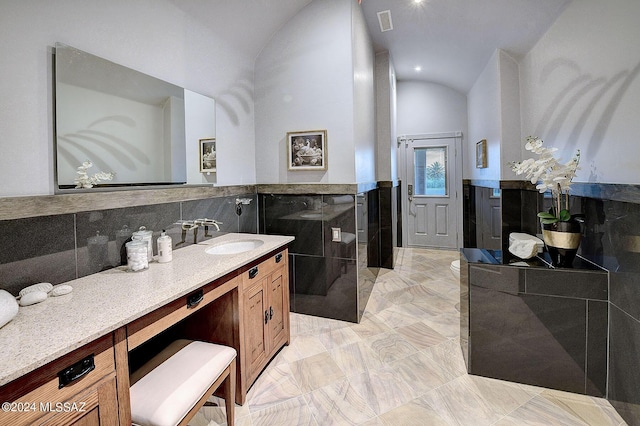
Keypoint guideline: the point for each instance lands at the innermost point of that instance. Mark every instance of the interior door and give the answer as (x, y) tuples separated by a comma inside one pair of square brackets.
[(431, 192)]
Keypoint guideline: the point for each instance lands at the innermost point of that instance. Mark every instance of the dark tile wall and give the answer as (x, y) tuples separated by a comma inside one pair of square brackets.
[(323, 275), (537, 326), (61, 248), (388, 214), (611, 239)]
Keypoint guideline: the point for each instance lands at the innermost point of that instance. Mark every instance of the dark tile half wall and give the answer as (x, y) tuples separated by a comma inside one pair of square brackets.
[(611, 239), (328, 278), (61, 248)]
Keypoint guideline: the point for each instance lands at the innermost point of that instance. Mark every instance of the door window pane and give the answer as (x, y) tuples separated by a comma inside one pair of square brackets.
[(430, 171)]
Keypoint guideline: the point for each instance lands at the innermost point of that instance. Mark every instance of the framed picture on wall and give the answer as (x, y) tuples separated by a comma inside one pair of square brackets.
[(481, 154), (307, 150), (207, 155)]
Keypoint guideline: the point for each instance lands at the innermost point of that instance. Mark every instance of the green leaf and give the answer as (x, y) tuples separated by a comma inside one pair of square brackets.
[(565, 215), (545, 215), (549, 221)]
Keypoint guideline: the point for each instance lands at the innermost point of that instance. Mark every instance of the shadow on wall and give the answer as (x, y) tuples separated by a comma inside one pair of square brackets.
[(120, 149), (583, 88), (240, 95)]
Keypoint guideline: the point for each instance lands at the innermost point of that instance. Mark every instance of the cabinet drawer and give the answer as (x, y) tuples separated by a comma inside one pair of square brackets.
[(38, 393), (255, 273)]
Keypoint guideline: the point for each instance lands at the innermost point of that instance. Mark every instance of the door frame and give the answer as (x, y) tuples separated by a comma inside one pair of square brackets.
[(403, 144)]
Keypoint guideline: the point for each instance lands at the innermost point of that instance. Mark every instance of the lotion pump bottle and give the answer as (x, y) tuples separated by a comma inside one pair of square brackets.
[(165, 248)]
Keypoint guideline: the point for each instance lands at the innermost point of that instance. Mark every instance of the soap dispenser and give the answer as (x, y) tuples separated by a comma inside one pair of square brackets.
[(165, 248)]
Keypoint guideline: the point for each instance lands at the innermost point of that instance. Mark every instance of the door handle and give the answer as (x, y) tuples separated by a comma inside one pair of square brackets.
[(410, 192), (266, 317), (270, 312)]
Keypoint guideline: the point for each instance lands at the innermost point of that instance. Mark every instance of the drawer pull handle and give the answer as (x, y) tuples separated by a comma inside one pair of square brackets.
[(76, 371), (278, 257), (194, 299), (253, 272)]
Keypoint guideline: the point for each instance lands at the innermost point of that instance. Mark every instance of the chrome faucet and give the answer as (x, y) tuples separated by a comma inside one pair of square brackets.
[(188, 225)]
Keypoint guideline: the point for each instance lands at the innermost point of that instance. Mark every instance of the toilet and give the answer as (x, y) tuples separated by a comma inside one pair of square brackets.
[(455, 268)]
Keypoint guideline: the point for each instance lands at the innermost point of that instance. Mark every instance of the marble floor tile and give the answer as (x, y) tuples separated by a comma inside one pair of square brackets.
[(458, 402), (590, 410), (336, 337), (370, 325), (356, 358), (316, 371), (275, 385), (293, 412), (421, 335), (402, 365), (339, 404), (390, 346), (421, 373), (404, 315), (302, 346), (382, 389), (413, 414)]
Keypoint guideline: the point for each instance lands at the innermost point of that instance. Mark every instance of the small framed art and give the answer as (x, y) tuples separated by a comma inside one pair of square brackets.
[(307, 150), (207, 155), (481, 154)]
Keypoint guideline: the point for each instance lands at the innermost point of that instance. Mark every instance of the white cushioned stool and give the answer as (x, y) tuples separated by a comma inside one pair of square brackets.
[(171, 387)]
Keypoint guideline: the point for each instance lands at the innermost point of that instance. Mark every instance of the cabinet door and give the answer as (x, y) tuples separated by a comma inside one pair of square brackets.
[(255, 308), (277, 310), (98, 406)]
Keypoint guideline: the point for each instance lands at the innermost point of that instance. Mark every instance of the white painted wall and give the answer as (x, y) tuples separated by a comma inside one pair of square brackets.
[(581, 89), (484, 123), (430, 108), (510, 140), (386, 118), (304, 80), (152, 36), (364, 98)]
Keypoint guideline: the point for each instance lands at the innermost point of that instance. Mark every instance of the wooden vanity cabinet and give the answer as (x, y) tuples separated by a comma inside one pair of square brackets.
[(90, 399), (265, 312)]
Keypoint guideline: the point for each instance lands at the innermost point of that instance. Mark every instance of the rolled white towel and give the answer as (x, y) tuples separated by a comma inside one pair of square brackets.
[(524, 249)]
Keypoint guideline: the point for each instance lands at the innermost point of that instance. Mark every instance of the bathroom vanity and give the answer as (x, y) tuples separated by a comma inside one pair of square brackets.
[(528, 322), (67, 360)]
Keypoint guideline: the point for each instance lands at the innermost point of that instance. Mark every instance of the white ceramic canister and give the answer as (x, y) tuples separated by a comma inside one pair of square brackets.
[(137, 255), (147, 236), (165, 248)]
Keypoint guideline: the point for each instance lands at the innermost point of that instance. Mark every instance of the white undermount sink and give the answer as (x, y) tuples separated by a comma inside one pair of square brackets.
[(234, 247)]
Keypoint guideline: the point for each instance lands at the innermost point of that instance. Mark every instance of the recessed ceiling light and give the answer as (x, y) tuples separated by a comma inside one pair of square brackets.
[(417, 1), (417, 68)]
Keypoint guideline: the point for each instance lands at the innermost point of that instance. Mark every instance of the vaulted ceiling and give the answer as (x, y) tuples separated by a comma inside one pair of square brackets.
[(451, 40)]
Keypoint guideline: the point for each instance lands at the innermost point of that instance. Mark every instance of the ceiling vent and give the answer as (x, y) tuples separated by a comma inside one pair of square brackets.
[(384, 18)]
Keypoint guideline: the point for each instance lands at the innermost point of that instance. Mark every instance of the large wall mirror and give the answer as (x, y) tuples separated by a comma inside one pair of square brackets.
[(124, 122)]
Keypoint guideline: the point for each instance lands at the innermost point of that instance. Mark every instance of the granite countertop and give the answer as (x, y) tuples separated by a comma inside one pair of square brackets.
[(103, 302)]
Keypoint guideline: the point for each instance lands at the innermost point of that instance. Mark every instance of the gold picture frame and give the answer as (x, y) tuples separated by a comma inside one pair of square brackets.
[(307, 150), (207, 155), (481, 154)]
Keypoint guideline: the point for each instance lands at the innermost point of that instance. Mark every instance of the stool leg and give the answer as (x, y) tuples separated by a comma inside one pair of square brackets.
[(230, 393)]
